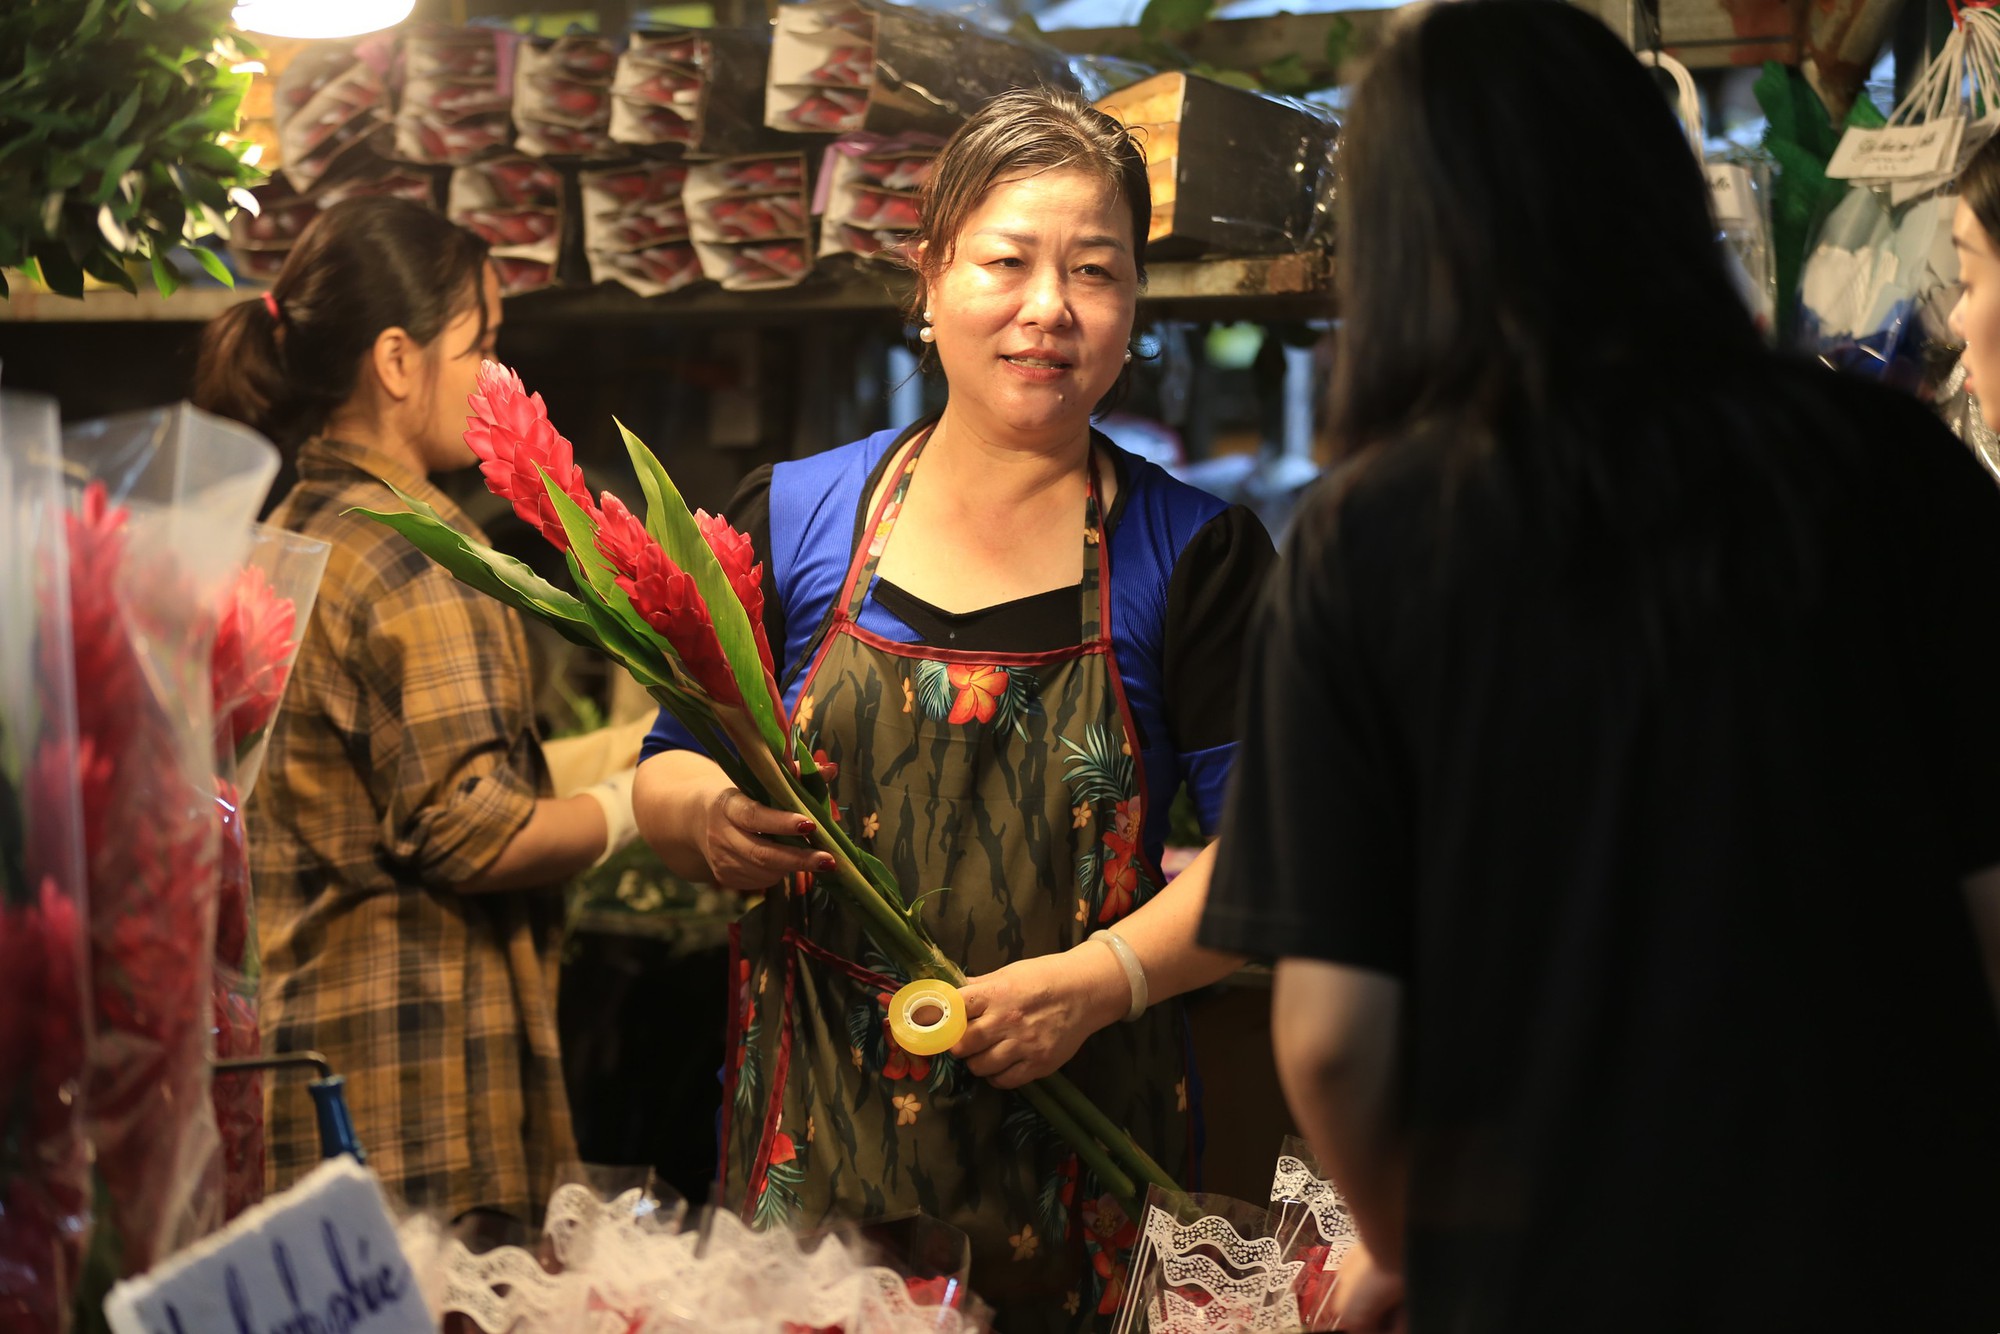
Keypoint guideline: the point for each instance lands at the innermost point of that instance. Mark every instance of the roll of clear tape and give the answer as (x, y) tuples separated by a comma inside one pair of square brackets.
[(927, 1017)]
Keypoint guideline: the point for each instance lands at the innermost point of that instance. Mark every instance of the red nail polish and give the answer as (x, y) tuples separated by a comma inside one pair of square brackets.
[(826, 862), (805, 828)]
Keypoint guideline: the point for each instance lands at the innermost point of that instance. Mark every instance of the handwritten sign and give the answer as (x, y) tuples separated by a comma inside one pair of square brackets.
[(1897, 152), (320, 1259), (1730, 194)]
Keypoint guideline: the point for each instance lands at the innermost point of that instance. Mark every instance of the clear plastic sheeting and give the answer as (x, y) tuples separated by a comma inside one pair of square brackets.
[(45, 1188), (159, 528), (1232, 171), (1878, 285)]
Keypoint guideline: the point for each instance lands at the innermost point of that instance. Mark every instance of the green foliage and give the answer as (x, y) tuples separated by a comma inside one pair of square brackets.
[(672, 525), (109, 114), (1167, 29)]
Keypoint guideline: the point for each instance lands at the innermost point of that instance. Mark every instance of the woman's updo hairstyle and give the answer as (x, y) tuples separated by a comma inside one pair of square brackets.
[(282, 363), (1021, 133)]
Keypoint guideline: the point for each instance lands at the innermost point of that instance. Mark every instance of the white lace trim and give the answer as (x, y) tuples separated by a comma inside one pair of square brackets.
[(1295, 1183), (624, 1269), (1175, 1314)]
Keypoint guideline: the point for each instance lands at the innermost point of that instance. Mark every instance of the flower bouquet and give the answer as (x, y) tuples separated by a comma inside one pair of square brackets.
[(162, 523), (258, 627), (44, 1160), (677, 599)]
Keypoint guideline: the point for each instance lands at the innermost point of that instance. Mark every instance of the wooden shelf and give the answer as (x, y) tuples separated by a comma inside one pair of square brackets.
[(1274, 287)]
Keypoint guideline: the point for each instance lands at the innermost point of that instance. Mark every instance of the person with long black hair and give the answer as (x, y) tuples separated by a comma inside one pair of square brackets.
[(1620, 785)]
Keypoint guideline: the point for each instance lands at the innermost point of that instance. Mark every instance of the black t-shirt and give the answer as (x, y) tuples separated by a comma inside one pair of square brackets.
[(1660, 819)]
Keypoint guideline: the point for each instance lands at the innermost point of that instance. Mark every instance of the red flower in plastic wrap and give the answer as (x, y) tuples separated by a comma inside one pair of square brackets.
[(738, 559), (253, 653), (232, 876), (511, 433), (101, 649)]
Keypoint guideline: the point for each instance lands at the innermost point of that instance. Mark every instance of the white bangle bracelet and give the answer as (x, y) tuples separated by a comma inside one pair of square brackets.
[(1135, 972)]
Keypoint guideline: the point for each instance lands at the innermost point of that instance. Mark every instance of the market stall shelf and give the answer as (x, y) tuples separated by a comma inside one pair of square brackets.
[(1296, 286)]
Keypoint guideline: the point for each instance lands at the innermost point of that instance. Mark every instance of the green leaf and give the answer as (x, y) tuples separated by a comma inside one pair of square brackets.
[(115, 167), (211, 261), (1172, 18), (1339, 45), (100, 265), (1287, 75), (672, 525), (62, 273), (164, 278), (121, 119), (487, 570)]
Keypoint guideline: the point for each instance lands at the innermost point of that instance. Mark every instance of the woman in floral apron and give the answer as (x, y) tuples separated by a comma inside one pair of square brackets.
[(1015, 642)]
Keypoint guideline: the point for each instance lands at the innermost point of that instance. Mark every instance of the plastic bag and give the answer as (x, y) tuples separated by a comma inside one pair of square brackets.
[(44, 1161), (1208, 1263), (161, 525), (1878, 283), (259, 625), (1314, 1228)]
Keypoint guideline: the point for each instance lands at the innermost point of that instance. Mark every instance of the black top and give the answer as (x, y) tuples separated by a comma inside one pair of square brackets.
[(1205, 623), (1662, 830)]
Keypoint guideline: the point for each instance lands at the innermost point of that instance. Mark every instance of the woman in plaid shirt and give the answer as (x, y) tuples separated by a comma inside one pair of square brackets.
[(405, 852)]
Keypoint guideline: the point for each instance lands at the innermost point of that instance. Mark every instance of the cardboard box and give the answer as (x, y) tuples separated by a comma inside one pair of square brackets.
[(1232, 171)]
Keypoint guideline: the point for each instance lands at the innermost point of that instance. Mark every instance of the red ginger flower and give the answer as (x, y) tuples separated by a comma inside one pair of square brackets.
[(622, 538), (746, 574), (511, 433), (666, 598), (253, 654)]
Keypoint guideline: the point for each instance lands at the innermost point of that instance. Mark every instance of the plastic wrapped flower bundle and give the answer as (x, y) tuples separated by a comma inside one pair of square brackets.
[(258, 626), (677, 599), (44, 1159), (157, 534), (631, 1267), (1205, 1264)]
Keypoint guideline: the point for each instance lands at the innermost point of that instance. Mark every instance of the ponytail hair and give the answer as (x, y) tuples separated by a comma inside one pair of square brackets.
[(282, 363)]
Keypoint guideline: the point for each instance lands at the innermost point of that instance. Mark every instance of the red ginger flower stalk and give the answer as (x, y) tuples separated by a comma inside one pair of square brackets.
[(253, 650), (511, 433), (746, 575), (666, 598)]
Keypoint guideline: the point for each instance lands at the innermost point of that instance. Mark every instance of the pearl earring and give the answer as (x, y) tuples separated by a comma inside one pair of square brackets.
[(1128, 356), (927, 333)]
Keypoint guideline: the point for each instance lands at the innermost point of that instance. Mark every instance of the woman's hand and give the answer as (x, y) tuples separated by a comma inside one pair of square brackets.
[(737, 840), (1367, 1299), (1026, 1020)]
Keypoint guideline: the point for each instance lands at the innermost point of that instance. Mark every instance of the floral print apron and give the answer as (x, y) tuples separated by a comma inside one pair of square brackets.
[(1008, 787)]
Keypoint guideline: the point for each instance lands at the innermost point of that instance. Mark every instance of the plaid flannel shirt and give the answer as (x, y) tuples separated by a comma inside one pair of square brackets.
[(403, 761)]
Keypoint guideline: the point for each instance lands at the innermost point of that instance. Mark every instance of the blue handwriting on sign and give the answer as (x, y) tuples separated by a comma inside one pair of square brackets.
[(347, 1308)]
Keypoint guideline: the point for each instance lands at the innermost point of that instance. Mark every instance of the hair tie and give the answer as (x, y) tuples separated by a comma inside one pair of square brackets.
[(271, 304)]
